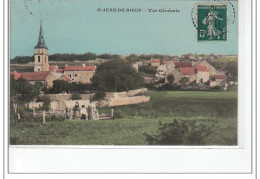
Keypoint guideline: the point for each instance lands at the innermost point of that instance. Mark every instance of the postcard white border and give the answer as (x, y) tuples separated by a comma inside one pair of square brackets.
[(55, 159)]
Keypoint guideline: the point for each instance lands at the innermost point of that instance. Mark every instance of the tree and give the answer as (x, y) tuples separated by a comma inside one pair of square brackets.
[(60, 86), (23, 91), (170, 79), (116, 75), (185, 80)]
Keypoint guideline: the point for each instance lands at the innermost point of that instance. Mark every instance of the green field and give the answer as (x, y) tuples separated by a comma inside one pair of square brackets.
[(217, 110)]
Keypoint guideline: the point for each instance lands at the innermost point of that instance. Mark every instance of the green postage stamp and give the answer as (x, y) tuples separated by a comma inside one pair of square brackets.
[(212, 22)]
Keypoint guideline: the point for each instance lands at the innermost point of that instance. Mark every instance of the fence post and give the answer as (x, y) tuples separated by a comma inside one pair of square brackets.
[(33, 111), (112, 113), (43, 117)]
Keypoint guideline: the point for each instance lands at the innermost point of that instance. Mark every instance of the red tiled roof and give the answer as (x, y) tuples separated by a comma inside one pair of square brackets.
[(60, 70), (52, 67), (80, 68), (165, 62), (32, 76), (220, 77), (187, 70), (180, 64), (67, 77), (16, 75), (201, 68), (155, 61)]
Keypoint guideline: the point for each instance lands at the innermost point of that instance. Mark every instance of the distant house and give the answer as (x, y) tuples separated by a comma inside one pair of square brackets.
[(166, 62), (189, 72), (211, 69), (220, 80), (80, 74), (182, 64), (177, 75), (155, 62), (202, 75), (44, 77)]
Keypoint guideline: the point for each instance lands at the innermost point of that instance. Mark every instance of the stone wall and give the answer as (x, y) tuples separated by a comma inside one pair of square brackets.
[(62, 105), (128, 100)]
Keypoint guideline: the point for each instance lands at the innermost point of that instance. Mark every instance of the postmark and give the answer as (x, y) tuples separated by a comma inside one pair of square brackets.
[(211, 22)]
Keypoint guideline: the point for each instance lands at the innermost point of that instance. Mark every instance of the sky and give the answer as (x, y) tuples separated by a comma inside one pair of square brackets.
[(76, 26)]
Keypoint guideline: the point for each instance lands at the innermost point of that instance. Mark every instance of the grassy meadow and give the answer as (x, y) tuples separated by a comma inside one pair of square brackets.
[(218, 110)]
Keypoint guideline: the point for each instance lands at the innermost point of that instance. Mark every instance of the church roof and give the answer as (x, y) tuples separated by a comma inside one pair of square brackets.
[(41, 42)]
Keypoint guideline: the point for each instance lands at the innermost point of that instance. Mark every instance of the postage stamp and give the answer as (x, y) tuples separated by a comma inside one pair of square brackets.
[(212, 22)]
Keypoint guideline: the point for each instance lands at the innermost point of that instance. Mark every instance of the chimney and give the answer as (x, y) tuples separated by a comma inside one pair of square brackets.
[(83, 65)]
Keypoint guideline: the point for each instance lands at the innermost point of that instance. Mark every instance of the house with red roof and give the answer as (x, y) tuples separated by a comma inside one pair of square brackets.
[(44, 77), (189, 72), (219, 80), (155, 62), (182, 64), (80, 74), (202, 75)]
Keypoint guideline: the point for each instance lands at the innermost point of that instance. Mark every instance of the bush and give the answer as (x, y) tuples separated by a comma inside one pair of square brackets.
[(100, 95), (180, 133), (75, 97)]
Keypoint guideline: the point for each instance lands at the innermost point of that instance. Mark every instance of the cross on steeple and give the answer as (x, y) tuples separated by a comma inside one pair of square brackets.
[(41, 42)]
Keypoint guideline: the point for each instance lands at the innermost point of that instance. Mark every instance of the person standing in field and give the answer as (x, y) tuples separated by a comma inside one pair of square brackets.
[(76, 111), (83, 113)]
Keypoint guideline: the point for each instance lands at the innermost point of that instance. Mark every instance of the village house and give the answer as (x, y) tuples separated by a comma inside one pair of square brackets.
[(155, 62), (80, 74), (44, 77), (189, 72), (219, 80), (202, 75)]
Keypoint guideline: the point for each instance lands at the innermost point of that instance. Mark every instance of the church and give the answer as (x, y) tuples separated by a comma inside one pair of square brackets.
[(46, 74)]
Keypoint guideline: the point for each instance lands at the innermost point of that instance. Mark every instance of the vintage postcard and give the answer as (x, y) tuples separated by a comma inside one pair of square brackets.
[(117, 73), (143, 86)]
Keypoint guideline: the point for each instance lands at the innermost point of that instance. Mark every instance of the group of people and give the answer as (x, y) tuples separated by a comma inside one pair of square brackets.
[(83, 112)]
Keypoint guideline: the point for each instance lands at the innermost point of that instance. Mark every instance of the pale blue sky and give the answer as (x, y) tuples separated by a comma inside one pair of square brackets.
[(75, 26)]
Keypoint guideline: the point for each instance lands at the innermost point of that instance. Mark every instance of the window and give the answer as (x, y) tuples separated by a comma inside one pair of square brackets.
[(39, 59), (76, 75), (38, 69)]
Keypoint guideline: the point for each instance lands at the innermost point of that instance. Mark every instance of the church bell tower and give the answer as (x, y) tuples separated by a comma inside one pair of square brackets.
[(41, 54)]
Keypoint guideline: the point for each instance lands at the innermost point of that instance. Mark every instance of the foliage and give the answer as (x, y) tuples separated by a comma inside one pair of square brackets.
[(75, 97), (147, 69), (108, 56), (169, 87), (100, 95), (179, 133), (22, 90), (60, 86), (22, 59), (46, 102), (169, 134), (170, 79), (72, 57), (116, 75), (185, 80)]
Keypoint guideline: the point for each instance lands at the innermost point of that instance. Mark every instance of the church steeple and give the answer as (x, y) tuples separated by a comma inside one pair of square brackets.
[(41, 54), (41, 42)]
